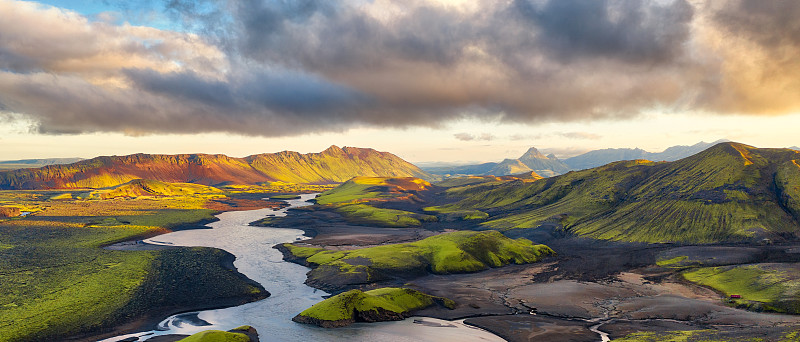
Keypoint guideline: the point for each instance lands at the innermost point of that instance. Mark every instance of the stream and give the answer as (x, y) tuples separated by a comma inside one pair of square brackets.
[(272, 316)]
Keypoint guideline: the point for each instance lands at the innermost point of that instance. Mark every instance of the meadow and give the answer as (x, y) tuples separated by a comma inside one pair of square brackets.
[(58, 281)]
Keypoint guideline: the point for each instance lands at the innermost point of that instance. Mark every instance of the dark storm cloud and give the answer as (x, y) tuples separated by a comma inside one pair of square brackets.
[(630, 30), (270, 67), (770, 23), (287, 92), (186, 86)]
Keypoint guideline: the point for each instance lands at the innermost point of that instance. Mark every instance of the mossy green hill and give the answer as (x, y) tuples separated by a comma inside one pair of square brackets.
[(145, 188), (730, 192), (244, 333), (333, 165), (357, 198), (384, 304), (456, 252), (363, 189)]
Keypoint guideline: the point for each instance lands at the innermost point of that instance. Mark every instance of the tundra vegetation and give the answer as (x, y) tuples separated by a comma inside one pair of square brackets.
[(59, 281), (730, 192), (244, 333), (384, 304), (455, 252)]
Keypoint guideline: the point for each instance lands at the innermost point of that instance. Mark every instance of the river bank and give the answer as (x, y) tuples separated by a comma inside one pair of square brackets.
[(258, 260)]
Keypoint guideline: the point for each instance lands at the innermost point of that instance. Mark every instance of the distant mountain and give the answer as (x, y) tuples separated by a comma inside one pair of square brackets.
[(478, 169), (729, 192), (795, 148), (532, 160), (550, 165), (543, 165), (334, 165), (33, 163), (602, 157), (508, 167)]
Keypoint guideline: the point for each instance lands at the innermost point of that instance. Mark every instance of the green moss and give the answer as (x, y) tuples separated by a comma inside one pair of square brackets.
[(461, 214), (753, 282), (360, 189), (216, 336), (353, 190), (672, 336), (58, 282), (369, 215), (671, 262), (456, 252), (473, 215), (143, 187), (726, 193), (345, 306), (710, 335), (64, 196)]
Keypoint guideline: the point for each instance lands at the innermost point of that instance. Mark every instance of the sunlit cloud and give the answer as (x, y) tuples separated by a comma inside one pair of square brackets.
[(275, 68)]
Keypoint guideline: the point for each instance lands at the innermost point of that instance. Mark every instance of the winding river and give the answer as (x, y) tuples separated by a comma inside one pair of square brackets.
[(272, 316)]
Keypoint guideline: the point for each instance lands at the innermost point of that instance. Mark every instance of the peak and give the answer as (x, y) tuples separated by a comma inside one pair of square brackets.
[(552, 156), (333, 149), (735, 149), (533, 153), (733, 144)]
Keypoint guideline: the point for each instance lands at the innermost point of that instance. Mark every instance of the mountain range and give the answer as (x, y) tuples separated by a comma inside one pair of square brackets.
[(729, 192), (531, 161), (602, 157), (550, 165), (333, 165), (33, 163)]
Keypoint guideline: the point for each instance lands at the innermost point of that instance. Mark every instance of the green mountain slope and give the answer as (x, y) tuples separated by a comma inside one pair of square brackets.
[(333, 165), (728, 192)]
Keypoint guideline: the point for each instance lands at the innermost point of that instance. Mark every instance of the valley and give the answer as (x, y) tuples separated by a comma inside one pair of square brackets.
[(701, 248)]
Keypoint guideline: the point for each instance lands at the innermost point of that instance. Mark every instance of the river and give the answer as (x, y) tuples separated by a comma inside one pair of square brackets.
[(272, 316)]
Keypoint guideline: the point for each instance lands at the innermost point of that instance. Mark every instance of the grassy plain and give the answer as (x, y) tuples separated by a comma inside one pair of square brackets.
[(708, 335), (769, 287), (58, 281)]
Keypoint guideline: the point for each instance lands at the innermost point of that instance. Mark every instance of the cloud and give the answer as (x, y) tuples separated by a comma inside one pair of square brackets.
[(275, 68), (517, 137), (474, 137), (580, 135)]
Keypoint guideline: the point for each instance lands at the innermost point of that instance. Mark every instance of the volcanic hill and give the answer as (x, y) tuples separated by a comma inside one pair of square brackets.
[(730, 192), (334, 165)]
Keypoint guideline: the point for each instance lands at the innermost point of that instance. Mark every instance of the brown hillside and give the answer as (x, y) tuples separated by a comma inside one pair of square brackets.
[(333, 165)]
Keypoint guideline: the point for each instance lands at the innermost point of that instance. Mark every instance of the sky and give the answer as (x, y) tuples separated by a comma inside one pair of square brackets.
[(429, 80)]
